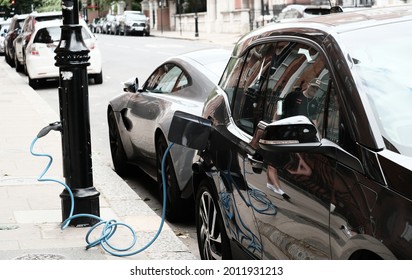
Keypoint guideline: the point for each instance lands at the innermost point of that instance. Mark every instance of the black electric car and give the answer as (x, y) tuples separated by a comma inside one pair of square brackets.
[(309, 151)]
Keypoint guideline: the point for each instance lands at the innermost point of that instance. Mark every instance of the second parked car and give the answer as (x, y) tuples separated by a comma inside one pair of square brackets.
[(139, 121), (40, 61)]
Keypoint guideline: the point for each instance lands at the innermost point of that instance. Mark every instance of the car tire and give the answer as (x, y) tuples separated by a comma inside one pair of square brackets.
[(11, 61), (119, 158), (18, 65), (175, 205), (98, 78), (212, 239)]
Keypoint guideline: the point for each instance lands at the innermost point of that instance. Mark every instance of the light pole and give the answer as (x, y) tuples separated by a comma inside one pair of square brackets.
[(196, 21), (72, 57), (180, 16), (161, 16)]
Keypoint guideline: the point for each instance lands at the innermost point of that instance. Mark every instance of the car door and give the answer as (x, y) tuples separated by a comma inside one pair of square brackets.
[(147, 106), (282, 80)]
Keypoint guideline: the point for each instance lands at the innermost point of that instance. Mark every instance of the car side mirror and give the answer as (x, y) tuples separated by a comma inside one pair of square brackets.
[(294, 134), (131, 85), (299, 134)]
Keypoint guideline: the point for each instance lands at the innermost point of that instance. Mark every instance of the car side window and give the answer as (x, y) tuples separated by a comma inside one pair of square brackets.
[(167, 78), (285, 79), (230, 77), (249, 97)]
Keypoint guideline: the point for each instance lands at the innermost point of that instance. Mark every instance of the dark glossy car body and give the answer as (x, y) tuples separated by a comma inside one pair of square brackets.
[(327, 175), (15, 26), (139, 121)]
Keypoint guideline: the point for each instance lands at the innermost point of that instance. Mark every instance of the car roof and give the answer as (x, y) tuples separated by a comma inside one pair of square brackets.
[(37, 14), (212, 60), (54, 22), (302, 8), (207, 56), (328, 24)]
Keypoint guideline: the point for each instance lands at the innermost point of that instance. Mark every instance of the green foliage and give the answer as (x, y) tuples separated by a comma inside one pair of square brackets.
[(191, 6), (49, 6), (27, 6)]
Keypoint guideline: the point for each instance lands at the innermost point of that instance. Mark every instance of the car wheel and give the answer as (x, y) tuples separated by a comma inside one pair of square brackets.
[(98, 78), (25, 70), (175, 205), (212, 239), (11, 61), (119, 158), (19, 67)]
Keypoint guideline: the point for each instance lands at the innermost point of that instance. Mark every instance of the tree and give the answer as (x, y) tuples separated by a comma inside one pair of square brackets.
[(50, 5), (22, 6)]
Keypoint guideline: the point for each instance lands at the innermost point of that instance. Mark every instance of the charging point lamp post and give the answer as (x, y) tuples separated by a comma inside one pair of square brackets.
[(72, 57)]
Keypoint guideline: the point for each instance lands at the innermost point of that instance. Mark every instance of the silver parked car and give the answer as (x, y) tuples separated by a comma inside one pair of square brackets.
[(139, 120)]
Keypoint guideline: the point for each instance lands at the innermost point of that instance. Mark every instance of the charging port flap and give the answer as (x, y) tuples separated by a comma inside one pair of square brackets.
[(189, 130)]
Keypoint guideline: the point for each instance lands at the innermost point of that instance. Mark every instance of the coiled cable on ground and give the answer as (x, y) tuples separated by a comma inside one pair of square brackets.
[(109, 227)]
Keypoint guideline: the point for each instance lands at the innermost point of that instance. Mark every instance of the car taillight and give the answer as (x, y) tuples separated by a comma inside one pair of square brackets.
[(34, 51), (92, 46)]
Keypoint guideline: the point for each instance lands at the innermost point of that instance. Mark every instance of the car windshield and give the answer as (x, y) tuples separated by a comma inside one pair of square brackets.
[(382, 58)]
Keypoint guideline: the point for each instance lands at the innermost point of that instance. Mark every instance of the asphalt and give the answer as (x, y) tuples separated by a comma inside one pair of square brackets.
[(30, 210)]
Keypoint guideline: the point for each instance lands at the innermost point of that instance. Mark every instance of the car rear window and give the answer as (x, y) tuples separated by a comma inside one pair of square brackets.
[(52, 34), (48, 35)]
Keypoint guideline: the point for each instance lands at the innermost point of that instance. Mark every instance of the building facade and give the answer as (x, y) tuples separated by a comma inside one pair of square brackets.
[(230, 16)]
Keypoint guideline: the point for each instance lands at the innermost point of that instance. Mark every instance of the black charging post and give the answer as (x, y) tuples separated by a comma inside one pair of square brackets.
[(72, 57)]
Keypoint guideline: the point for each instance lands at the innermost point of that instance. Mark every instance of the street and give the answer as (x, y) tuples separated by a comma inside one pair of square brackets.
[(125, 58)]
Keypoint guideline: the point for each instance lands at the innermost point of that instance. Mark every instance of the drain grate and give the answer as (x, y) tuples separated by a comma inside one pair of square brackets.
[(40, 257)]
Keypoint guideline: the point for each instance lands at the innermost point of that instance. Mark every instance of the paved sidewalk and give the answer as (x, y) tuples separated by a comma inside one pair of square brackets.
[(30, 211)]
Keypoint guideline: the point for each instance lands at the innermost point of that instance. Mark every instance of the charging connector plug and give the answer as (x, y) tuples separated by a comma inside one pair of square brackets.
[(57, 126)]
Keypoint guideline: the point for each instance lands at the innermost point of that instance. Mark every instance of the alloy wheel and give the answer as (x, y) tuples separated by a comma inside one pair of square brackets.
[(212, 239)]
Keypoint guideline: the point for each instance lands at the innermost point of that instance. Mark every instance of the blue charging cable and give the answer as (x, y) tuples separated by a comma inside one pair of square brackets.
[(110, 226)]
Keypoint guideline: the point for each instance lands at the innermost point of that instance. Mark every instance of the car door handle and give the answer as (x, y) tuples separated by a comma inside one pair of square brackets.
[(257, 165)]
